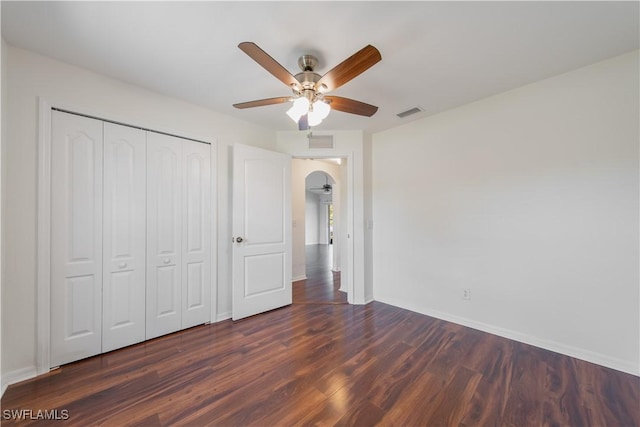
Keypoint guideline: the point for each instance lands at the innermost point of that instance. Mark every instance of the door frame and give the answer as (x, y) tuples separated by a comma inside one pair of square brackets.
[(346, 246), (43, 224)]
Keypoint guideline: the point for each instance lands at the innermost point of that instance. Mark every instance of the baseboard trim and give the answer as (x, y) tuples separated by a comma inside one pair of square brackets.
[(297, 279), (556, 347), (16, 376), (223, 316)]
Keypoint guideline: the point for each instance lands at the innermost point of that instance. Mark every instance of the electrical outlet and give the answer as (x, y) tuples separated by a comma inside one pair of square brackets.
[(466, 294)]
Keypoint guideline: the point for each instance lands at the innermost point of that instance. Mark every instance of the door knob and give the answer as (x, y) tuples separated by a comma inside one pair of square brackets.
[(123, 265), (167, 260), (239, 239)]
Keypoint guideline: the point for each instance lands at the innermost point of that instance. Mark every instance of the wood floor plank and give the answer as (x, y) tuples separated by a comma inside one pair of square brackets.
[(416, 403), (492, 357), (386, 392), (452, 403), (364, 413), (606, 395), (524, 406), (323, 363)]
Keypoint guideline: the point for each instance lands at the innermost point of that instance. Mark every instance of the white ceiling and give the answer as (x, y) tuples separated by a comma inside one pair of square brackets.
[(436, 55)]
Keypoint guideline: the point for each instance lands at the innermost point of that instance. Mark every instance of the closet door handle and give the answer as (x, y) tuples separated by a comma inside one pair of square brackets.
[(122, 265), (167, 261)]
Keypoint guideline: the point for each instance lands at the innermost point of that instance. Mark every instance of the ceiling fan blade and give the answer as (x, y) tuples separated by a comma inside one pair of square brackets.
[(263, 102), (269, 64), (303, 123), (350, 68), (352, 106)]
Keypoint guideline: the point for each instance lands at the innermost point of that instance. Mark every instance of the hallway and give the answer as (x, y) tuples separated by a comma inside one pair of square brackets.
[(322, 284)]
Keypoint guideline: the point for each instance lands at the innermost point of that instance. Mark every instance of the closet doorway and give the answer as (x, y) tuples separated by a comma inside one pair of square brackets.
[(124, 235)]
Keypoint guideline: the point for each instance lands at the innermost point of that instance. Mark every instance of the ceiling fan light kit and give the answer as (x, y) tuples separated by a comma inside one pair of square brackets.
[(299, 108), (310, 105)]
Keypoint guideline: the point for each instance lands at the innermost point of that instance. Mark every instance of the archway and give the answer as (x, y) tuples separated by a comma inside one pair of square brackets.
[(317, 218)]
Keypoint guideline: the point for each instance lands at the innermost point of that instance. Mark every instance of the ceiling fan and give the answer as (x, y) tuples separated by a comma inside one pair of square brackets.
[(326, 188), (310, 102)]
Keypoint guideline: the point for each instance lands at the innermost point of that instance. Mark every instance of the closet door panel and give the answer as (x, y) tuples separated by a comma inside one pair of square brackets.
[(124, 236), (164, 234), (196, 238), (76, 237)]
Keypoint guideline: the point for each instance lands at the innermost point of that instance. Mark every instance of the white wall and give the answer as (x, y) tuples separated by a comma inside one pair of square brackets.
[(311, 219), (31, 75), (530, 200), (323, 218)]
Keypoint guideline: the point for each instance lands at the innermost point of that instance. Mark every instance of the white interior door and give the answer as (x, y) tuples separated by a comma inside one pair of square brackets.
[(196, 234), (123, 287), (261, 230), (76, 237), (164, 238)]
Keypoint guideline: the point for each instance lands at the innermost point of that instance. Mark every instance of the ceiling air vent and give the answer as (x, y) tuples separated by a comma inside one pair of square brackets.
[(321, 142), (409, 112)]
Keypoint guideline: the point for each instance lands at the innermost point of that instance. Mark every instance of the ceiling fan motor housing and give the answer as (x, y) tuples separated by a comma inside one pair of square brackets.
[(308, 80), (307, 62)]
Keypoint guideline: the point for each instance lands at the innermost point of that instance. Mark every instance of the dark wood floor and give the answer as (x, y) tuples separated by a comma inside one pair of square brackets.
[(328, 363)]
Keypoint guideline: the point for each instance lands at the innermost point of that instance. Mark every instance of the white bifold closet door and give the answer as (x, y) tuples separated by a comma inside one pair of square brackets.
[(130, 236), (196, 234), (124, 219), (178, 234), (76, 237)]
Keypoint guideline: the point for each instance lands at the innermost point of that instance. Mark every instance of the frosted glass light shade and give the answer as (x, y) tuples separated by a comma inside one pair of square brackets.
[(299, 108), (314, 118), (322, 109), (319, 113), (291, 113)]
